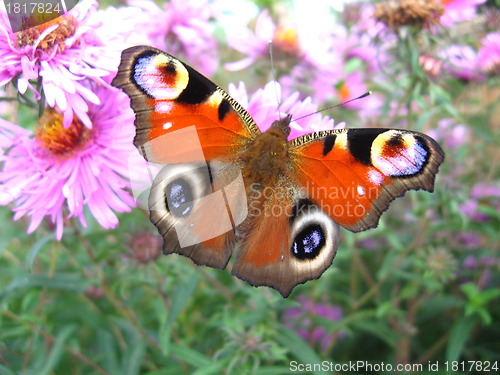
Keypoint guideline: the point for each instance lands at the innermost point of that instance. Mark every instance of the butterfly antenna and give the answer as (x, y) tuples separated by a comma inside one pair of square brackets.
[(273, 73), (368, 93)]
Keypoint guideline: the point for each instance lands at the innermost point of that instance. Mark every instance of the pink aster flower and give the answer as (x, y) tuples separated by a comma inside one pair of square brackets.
[(488, 57), (106, 40), (184, 29), (255, 44), (301, 319), (482, 194), (461, 62), (303, 55), (9, 134), (359, 36), (62, 54), (450, 134), (264, 109), (458, 10), (58, 171)]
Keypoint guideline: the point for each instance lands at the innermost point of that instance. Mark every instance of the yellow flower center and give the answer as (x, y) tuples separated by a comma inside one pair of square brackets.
[(287, 40), (55, 39), (60, 141)]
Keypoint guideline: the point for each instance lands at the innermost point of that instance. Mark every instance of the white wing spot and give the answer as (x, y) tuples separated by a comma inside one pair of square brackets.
[(163, 106), (375, 177)]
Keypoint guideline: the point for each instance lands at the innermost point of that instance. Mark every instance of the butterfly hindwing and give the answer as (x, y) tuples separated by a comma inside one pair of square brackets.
[(354, 174), (288, 241), (182, 205)]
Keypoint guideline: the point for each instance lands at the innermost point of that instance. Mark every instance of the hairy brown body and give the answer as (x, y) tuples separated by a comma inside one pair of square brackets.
[(265, 161), (265, 170)]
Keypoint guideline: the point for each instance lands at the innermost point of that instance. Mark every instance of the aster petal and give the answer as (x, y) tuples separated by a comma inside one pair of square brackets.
[(103, 214), (88, 94), (22, 85), (67, 117), (65, 79), (27, 68), (264, 27), (59, 226), (36, 219)]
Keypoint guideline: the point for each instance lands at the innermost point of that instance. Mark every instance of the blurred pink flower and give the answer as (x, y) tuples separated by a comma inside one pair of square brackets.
[(482, 194), (458, 10), (430, 65), (105, 40), (9, 135), (301, 320), (483, 190), (303, 55), (486, 265), (360, 37), (450, 134), (470, 239), (57, 171), (184, 29), (461, 62), (264, 109), (488, 57)]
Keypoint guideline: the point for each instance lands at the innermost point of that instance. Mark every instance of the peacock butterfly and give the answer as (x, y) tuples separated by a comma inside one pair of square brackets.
[(225, 184)]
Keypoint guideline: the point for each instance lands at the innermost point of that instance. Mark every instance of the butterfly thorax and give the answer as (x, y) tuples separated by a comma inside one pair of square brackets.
[(265, 161)]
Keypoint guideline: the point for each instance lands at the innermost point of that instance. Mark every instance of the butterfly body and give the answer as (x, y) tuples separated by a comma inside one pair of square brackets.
[(266, 157), (226, 185)]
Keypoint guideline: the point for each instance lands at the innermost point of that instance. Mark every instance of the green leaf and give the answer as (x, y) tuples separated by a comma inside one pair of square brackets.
[(36, 248), (213, 369), (273, 370), (191, 356), (106, 345), (181, 296), (134, 357), (5, 371), (379, 330), (300, 349), (353, 65), (57, 351), (58, 281), (458, 337)]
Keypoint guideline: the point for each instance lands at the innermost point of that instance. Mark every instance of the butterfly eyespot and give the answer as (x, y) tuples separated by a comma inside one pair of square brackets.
[(179, 197), (160, 76), (313, 232), (396, 153), (309, 242), (176, 188)]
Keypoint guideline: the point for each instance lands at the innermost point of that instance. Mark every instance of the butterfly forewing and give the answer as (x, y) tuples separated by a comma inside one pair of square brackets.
[(168, 95), (354, 174)]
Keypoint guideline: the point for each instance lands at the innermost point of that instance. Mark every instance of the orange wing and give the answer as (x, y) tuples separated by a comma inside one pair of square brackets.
[(354, 174), (169, 98)]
